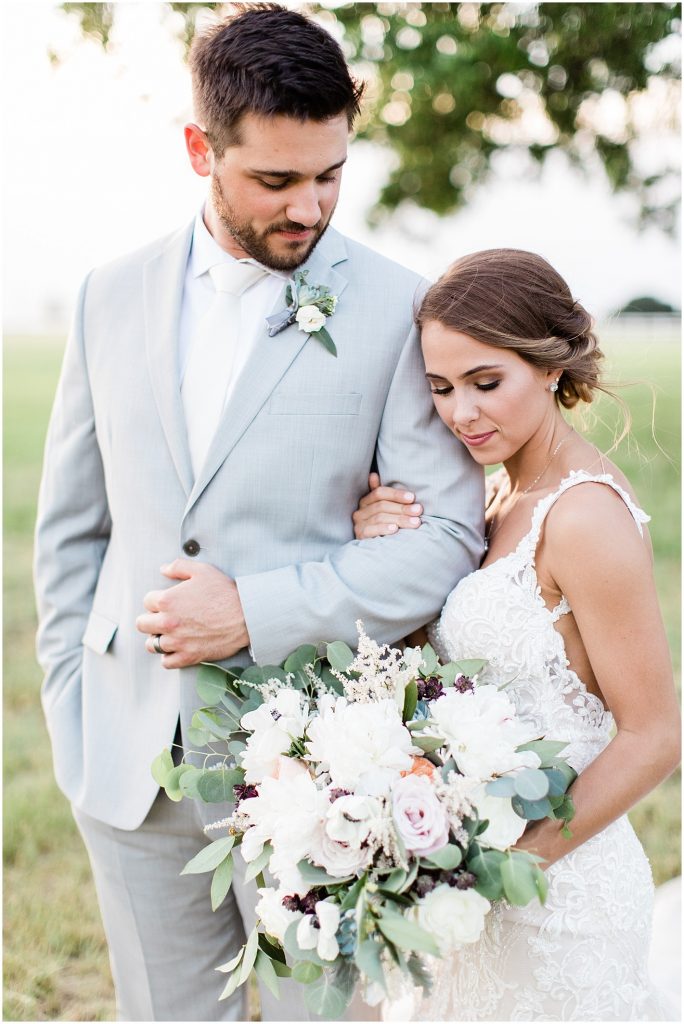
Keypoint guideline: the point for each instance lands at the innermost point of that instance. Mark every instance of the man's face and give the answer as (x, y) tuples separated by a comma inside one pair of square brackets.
[(273, 195)]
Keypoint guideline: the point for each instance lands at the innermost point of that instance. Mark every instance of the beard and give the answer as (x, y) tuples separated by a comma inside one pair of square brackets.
[(256, 243)]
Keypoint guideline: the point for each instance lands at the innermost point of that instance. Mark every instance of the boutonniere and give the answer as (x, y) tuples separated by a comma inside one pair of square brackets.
[(310, 306)]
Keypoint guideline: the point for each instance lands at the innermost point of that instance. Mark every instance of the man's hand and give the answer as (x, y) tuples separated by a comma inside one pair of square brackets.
[(199, 619)]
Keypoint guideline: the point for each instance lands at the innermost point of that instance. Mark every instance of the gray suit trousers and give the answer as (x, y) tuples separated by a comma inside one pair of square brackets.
[(165, 941)]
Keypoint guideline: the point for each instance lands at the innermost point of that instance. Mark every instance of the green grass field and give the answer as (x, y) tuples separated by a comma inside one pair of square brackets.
[(56, 965)]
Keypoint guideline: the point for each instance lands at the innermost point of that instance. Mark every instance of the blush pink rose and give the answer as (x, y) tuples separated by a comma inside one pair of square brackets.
[(419, 817)]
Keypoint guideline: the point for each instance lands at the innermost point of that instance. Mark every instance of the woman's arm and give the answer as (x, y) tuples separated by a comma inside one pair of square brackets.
[(597, 558)]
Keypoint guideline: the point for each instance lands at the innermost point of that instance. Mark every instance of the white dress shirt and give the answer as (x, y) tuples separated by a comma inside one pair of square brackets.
[(257, 302)]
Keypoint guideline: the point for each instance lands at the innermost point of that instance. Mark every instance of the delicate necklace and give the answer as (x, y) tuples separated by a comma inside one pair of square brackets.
[(490, 533)]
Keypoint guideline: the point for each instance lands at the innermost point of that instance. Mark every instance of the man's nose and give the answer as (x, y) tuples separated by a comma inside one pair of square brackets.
[(304, 206)]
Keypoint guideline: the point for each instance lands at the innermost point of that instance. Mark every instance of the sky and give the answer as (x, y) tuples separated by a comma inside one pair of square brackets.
[(94, 165)]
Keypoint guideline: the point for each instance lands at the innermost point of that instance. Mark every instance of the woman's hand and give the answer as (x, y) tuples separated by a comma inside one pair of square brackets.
[(385, 510)]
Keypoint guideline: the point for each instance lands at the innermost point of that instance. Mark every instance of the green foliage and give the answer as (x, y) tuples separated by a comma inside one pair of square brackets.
[(450, 83)]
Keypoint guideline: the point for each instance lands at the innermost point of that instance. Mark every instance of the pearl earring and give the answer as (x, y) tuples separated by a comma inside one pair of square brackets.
[(553, 386)]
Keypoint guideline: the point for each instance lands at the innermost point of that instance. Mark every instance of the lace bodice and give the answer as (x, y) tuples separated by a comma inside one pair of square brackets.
[(498, 612)]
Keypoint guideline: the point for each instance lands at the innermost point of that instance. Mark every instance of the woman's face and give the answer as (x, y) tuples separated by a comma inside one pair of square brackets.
[(492, 399)]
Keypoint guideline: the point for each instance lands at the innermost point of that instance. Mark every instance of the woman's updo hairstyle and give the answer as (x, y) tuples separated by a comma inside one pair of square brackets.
[(514, 299)]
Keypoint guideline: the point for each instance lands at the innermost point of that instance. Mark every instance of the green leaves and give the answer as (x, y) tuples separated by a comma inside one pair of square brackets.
[(430, 661), (304, 655), (325, 339), (259, 863), (266, 972), (486, 865), (221, 882), (471, 666), (410, 700), (522, 880), (531, 784), (428, 744), (161, 766), (306, 972), (211, 683), (209, 857), (448, 858), (339, 655), (330, 995), (406, 934), (216, 785)]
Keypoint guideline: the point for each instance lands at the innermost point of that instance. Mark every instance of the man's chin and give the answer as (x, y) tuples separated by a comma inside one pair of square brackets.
[(288, 254)]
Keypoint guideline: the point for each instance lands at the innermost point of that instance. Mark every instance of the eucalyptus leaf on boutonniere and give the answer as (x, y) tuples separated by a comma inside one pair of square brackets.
[(309, 306)]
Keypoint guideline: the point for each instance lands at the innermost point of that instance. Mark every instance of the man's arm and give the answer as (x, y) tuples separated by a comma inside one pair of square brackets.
[(394, 584), (73, 523)]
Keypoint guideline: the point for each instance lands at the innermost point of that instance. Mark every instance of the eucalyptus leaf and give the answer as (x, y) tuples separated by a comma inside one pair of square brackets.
[(211, 683), (231, 985), (306, 972), (339, 655), (221, 882), (325, 998), (471, 666), (232, 964), (198, 737), (448, 858), (406, 934), (172, 787), (319, 876), (532, 810), (209, 857), (486, 866), (215, 726), (428, 744), (331, 681), (395, 880), (304, 655), (447, 673), (216, 784), (251, 949), (188, 782), (503, 786), (161, 766), (545, 750), (531, 784), (259, 863), (430, 660), (517, 876), (368, 959), (266, 973)]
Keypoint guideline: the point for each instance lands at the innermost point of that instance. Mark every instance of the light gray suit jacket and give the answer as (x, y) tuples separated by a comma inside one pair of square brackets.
[(272, 506)]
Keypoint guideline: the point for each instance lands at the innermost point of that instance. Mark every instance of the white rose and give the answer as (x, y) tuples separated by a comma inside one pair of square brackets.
[(350, 819), (505, 826), (364, 747), (275, 918), (452, 916), (420, 818), (310, 319), (482, 730), (273, 725), (340, 859)]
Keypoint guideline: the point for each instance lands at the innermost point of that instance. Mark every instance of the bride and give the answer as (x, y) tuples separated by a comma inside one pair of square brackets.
[(564, 608)]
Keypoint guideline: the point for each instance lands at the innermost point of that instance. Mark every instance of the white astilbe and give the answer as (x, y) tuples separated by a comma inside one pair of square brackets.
[(236, 824), (383, 671), (456, 794)]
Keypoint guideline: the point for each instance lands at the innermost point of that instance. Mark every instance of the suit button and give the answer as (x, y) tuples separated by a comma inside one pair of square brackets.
[(191, 548)]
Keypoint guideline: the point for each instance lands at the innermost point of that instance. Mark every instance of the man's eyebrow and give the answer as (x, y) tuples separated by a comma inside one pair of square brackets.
[(468, 373), (296, 174)]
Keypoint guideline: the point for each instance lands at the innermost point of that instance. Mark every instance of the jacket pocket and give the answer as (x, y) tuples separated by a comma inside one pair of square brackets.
[(99, 633), (315, 405)]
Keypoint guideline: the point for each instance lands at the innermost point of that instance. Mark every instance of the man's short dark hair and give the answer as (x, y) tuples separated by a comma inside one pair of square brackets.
[(268, 60)]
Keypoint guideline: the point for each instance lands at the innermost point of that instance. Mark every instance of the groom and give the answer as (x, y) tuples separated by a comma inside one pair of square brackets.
[(184, 436)]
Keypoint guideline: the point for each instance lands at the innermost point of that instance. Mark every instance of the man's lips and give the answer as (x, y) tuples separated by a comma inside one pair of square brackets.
[(476, 439), (295, 236)]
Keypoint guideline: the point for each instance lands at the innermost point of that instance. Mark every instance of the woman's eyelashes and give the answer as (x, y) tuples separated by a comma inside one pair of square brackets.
[(480, 385)]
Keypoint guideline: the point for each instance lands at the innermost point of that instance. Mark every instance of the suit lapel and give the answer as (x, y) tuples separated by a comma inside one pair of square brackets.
[(164, 278), (269, 361)]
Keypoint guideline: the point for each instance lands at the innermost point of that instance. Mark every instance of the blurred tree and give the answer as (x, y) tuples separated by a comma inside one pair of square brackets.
[(453, 84), (646, 304)]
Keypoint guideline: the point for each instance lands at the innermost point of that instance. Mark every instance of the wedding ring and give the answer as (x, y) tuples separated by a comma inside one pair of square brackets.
[(156, 643)]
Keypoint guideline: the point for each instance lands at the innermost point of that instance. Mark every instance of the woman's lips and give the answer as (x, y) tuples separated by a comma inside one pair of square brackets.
[(473, 440)]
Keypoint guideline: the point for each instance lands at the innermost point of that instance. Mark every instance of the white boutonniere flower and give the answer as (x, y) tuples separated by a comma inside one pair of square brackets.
[(308, 305)]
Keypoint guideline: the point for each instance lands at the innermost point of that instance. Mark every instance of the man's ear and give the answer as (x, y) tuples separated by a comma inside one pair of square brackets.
[(199, 150)]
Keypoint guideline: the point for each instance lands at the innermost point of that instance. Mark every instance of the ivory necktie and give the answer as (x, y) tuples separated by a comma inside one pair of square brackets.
[(212, 356)]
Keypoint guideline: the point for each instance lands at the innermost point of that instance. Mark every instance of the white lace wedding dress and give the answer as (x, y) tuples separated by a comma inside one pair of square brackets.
[(583, 955)]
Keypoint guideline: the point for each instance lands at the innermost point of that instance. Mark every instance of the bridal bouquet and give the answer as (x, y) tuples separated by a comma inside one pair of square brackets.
[(377, 797)]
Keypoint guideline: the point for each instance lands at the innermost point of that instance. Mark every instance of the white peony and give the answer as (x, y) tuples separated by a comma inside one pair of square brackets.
[(419, 816), (289, 812), (322, 939), (274, 724), (505, 826), (310, 318), (275, 918), (482, 730), (452, 916), (341, 859), (364, 747)]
